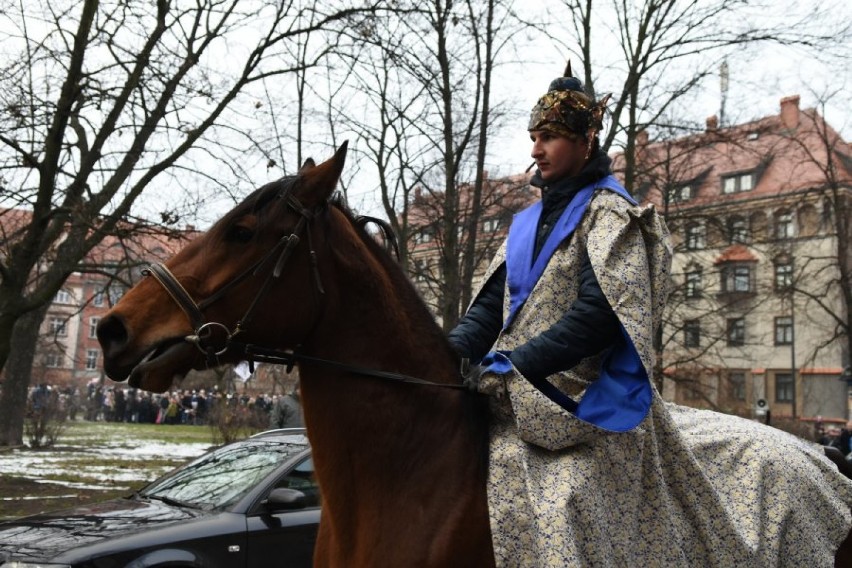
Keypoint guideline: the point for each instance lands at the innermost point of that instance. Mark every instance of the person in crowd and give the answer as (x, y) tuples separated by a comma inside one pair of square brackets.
[(844, 439), (73, 402), (588, 465), (119, 405), (287, 411), (173, 410), (39, 397)]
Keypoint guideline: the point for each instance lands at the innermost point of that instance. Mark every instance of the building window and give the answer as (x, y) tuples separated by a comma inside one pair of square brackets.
[(736, 332), (424, 236), (58, 326), (692, 391), (784, 330), (783, 387), (420, 269), (738, 230), (63, 297), (490, 225), (92, 359), (783, 275), (691, 333), (694, 236), (693, 283), (737, 385), (784, 225), (115, 294), (93, 327), (98, 298), (682, 193), (53, 359), (738, 182), (736, 278)]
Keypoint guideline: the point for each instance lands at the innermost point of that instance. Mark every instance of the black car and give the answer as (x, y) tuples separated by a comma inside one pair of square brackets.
[(252, 503)]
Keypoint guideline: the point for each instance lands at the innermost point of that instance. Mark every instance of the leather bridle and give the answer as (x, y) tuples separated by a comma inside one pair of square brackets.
[(204, 331)]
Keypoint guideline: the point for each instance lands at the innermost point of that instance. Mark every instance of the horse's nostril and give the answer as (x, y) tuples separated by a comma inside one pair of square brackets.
[(112, 334)]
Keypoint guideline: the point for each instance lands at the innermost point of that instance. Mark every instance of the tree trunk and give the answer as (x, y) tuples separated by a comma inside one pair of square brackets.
[(18, 371), (469, 257), (7, 328)]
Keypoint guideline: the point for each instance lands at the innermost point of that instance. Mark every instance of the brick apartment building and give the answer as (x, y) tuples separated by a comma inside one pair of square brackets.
[(760, 217), (68, 353)]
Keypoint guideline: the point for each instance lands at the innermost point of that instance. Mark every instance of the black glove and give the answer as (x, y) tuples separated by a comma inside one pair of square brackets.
[(471, 374)]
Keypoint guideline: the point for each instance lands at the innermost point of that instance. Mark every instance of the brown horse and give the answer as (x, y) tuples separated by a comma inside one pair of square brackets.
[(290, 275), (402, 464)]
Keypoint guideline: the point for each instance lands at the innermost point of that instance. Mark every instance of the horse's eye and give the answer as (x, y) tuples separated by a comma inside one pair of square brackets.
[(240, 234)]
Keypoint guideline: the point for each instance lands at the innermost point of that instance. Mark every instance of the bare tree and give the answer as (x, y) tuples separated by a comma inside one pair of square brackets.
[(827, 159), (377, 101), (424, 80), (106, 99)]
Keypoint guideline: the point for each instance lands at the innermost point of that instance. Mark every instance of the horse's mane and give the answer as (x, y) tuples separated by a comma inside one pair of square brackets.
[(253, 203), (477, 413), (400, 281)]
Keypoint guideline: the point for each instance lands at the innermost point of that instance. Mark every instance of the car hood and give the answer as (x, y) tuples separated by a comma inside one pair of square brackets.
[(42, 537)]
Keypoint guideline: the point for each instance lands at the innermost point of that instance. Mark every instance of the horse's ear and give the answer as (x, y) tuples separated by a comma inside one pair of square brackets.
[(340, 156), (322, 179), (309, 163)]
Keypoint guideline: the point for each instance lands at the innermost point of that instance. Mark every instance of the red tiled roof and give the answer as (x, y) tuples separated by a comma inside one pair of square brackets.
[(785, 151), (735, 253), (821, 371)]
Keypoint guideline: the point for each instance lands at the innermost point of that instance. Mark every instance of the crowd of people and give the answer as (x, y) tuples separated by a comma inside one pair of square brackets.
[(117, 403), (840, 438)]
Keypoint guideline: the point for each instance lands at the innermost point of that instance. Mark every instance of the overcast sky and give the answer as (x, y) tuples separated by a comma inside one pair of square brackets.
[(759, 79)]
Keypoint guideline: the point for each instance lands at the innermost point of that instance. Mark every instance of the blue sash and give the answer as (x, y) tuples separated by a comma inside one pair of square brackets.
[(620, 398)]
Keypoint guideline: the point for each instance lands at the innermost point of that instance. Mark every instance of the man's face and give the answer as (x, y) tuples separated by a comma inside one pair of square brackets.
[(557, 156)]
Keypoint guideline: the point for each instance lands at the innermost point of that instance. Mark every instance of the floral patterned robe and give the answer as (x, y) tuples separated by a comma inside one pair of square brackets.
[(680, 487)]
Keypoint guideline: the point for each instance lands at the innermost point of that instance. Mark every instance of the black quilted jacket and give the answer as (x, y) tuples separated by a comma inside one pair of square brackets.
[(589, 325)]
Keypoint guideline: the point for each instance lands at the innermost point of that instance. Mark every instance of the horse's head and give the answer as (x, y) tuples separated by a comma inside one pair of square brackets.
[(253, 271)]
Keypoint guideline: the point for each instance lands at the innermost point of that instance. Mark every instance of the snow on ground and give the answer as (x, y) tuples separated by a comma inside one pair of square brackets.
[(46, 465)]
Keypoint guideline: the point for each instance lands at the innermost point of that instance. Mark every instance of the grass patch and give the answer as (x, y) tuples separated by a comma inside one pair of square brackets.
[(133, 433)]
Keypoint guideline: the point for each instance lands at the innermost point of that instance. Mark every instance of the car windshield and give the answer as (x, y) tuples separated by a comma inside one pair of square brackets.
[(220, 478)]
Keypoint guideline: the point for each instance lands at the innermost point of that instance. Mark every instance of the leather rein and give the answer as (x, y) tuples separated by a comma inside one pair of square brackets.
[(205, 332)]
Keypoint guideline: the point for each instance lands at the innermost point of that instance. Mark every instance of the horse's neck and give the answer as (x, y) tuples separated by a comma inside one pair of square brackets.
[(382, 328), (371, 432)]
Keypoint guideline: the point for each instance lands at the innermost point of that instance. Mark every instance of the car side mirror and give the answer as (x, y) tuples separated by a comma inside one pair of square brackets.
[(285, 498)]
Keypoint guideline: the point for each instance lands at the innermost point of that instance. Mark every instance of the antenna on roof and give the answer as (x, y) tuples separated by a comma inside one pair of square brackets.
[(723, 82)]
